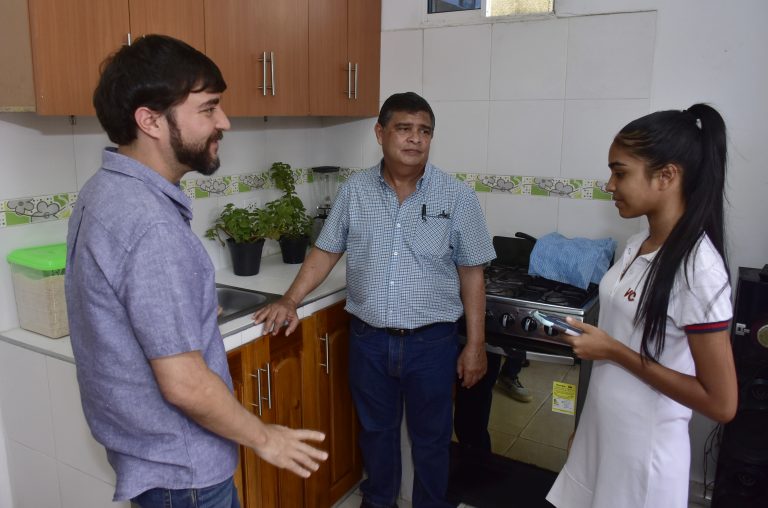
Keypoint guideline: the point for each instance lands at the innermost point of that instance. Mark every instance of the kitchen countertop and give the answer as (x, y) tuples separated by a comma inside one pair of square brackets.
[(274, 277)]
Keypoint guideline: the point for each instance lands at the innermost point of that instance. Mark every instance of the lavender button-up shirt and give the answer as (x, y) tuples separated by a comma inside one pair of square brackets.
[(139, 285)]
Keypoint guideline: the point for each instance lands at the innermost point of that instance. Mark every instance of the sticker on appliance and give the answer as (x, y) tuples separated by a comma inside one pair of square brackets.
[(563, 398)]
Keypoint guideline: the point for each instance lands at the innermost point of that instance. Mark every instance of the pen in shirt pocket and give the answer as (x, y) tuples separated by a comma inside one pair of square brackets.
[(442, 215)]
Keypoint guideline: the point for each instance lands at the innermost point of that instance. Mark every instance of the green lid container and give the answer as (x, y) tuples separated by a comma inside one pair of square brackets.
[(46, 258)]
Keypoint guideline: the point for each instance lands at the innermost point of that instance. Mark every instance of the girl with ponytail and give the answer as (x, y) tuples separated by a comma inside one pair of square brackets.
[(661, 347)]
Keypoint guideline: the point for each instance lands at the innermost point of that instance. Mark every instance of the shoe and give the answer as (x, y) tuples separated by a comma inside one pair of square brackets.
[(514, 388)]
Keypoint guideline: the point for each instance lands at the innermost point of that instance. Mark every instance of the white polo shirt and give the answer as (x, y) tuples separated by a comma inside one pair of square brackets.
[(632, 447)]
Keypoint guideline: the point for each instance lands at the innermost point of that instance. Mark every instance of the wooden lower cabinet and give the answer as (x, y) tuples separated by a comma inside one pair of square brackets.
[(289, 381), (338, 419)]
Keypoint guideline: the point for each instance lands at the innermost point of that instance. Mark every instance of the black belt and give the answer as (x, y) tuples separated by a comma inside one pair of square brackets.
[(403, 332)]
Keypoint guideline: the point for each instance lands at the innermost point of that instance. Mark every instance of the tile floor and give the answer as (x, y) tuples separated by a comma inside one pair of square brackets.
[(529, 432)]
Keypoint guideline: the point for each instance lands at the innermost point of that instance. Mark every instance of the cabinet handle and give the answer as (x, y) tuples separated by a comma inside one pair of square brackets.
[(355, 80), (259, 397), (258, 391), (272, 65), (269, 386), (129, 38), (349, 80), (327, 363), (263, 73)]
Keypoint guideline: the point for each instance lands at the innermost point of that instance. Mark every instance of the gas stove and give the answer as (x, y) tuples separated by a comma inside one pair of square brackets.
[(512, 295)]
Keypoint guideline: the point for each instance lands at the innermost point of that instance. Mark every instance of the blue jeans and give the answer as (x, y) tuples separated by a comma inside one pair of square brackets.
[(222, 495), (386, 371)]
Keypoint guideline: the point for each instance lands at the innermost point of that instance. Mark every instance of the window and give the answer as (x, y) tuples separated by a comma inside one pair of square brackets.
[(492, 8), (435, 6)]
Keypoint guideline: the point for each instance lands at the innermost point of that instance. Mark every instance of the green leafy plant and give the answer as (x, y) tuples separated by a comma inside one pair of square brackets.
[(242, 225), (286, 216)]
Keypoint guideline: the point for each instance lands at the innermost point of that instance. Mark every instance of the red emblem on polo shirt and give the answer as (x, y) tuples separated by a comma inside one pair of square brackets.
[(630, 295)]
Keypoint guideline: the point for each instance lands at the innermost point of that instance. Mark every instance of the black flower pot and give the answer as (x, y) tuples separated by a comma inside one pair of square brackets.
[(294, 248), (246, 257)]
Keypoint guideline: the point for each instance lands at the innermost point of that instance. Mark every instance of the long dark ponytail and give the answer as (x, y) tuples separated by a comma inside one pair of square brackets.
[(694, 139)]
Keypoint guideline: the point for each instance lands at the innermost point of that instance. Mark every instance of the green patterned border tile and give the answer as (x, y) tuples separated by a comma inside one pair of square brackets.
[(16, 212), (22, 211)]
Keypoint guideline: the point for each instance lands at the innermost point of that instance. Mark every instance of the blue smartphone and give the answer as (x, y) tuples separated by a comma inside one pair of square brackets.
[(556, 323)]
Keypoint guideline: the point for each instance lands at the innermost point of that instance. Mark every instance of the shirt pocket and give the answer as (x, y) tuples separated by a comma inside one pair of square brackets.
[(432, 237)]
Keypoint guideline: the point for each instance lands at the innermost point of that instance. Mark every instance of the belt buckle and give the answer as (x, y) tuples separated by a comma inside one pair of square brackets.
[(398, 332)]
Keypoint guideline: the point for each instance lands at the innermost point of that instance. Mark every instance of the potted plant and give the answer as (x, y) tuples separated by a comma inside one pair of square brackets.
[(246, 230), (288, 221)]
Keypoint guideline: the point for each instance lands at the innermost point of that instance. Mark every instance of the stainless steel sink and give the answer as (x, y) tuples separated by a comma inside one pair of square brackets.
[(236, 302)]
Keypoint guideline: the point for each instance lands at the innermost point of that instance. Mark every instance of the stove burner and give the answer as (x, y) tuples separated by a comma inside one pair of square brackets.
[(514, 282)]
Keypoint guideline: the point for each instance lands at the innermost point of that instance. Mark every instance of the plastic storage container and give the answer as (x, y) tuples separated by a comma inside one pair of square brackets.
[(38, 283)]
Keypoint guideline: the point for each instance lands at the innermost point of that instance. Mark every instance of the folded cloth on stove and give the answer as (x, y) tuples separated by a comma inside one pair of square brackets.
[(575, 261)]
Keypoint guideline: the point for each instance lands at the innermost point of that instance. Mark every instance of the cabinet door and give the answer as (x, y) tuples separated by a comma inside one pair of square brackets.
[(330, 74), (70, 39), (364, 49), (335, 401), (257, 489), (236, 360), (182, 19), (239, 34), (287, 367)]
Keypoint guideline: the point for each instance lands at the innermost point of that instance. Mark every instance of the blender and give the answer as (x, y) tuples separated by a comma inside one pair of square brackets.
[(326, 184)]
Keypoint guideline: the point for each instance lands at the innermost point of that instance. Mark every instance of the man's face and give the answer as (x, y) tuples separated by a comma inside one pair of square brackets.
[(406, 138), (195, 127)]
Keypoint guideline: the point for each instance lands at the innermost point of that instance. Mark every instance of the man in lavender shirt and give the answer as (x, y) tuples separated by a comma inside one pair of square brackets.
[(151, 364)]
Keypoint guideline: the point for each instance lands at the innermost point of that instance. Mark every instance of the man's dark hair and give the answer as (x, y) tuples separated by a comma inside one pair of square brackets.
[(157, 72), (408, 102)]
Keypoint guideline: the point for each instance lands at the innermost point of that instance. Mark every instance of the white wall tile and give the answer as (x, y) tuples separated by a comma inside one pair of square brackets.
[(74, 443), (242, 148), (507, 214), (89, 140), (25, 399), (36, 156), (528, 60), (79, 490), (460, 142), (457, 63), (611, 57), (595, 219), (6, 500), (291, 140), (343, 140), (397, 14), (401, 62), (590, 126), (34, 482), (525, 137)]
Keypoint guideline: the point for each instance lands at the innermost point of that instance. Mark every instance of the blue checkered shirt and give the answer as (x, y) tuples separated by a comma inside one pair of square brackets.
[(402, 258)]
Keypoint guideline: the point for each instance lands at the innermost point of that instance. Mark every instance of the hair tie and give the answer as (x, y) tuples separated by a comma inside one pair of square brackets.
[(698, 123)]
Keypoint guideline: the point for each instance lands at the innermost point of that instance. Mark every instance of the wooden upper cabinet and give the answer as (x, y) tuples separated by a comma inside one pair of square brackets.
[(16, 85), (261, 48), (182, 19), (70, 39), (344, 56), (364, 47)]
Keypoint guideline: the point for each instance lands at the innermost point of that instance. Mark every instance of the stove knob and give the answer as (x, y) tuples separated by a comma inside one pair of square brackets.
[(489, 314), (507, 320), (529, 324), (551, 332)]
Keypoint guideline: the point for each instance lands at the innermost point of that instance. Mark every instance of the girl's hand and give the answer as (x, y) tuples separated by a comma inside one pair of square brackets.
[(592, 344)]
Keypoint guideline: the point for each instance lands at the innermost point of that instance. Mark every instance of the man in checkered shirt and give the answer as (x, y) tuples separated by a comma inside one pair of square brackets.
[(416, 243)]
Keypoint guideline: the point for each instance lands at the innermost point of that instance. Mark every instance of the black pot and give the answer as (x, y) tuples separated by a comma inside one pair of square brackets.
[(246, 257), (294, 248)]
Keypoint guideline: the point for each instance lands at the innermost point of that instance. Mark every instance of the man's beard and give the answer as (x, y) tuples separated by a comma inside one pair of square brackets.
[(195, 156)]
